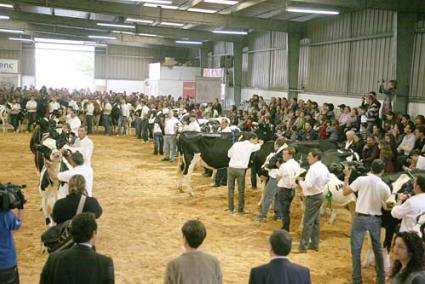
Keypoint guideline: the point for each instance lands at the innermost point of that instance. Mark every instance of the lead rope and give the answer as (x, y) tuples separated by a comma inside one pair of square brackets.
[(329, 198)]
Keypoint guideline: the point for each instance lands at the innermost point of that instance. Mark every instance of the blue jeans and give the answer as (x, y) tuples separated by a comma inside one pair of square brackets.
[(144, 127), (158, 143), (311, 222), (170, 147), (122, 123), (269, 195), (285, 196), (138, 126), (361, 224), (106, 124)]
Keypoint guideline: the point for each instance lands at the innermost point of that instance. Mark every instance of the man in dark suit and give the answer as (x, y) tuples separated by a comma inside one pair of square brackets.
[(280, 270), (79, 264)]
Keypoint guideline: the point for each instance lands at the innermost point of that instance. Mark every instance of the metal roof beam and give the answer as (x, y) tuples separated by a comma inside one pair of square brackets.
[(133, 10)]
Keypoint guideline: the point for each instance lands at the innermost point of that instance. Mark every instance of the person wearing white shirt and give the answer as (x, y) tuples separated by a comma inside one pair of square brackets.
[(193, 124), (73, 121), (73, 104), (144, 115), (239, 155), (78, 168), (123, 119), (170, 130), (272, 170), (312, 188), (412, 207), (84, 145), (371, 193), (287, 175), (31, 107), (15, 109), (107, 108), (54, 105), (89, 116)]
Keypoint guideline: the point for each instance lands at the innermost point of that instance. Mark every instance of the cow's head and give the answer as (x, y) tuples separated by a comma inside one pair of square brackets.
[(403, 184)]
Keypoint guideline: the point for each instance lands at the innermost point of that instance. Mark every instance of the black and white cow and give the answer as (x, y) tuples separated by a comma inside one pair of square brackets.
[(4, 116)]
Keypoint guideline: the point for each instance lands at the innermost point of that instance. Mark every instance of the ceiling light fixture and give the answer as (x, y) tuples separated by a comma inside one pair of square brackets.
[(311, 11), (230, 32), (171, 24), (123, 32), (170, 7), (151, 35), (21, 39), (10, 6), (189, 42), (101, 37), (11, 31), (4, 17), (163, 2), (224, 2), (208, 11), (58, 41), (116, 25), (139, 21)]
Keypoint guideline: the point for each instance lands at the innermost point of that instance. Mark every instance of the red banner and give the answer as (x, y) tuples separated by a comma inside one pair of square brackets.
[(189, 89)]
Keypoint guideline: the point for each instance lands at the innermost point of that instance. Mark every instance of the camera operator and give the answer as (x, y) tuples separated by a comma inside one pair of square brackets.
[(9, 222)]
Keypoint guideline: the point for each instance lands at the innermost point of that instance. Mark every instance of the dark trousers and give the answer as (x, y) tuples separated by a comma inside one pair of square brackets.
[(14, 121), (239, 176), (285, 197), (145, 129), (32, 118), (138, 126), (107, 124), (221, 177), (158, 145), (253, 177), (89, 120), (310, 236), (9, 275)]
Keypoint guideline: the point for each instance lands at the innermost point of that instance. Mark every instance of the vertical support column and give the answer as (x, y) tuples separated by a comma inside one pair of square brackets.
[(404, 33), (293, 63), (203, 54), (237, 69)]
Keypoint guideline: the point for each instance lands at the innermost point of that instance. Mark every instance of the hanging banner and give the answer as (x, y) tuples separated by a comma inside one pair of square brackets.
[(212, 72), (8, 66), (189, 90)]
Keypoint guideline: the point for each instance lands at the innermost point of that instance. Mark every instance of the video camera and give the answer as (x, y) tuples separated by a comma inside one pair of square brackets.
[(11, 196)]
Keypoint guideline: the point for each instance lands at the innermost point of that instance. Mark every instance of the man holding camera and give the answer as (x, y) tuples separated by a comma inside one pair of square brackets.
[(9, 222)]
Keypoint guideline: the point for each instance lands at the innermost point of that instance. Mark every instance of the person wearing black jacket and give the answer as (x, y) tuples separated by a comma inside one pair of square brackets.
[(65, 208), (79, 264)]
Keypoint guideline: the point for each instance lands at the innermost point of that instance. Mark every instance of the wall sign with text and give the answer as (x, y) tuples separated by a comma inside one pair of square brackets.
[(8, 66)]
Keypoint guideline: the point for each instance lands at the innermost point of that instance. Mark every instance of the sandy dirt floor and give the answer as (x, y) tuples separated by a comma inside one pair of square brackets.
[(143, 214)]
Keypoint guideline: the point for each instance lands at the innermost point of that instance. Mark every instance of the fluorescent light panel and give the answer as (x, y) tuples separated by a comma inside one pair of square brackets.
[(230, 32), (139, 21), (10, 6), (21, 39), (170, 7), (124, 32), (58, 41), (11, 31), (189, 42), (312, 11), (224, 2), (171, 24), (4, 17), (101, 37), (208, 11), (151, 35), (116, 25), (161, 2)]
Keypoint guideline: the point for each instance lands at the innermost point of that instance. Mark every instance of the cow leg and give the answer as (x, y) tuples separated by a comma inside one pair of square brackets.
[(195, 160), (263, 187), (214, 173), (387, 261), (370, 257), (332, 216)]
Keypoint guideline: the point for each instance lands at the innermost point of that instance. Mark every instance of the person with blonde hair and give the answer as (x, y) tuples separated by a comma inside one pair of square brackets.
[(66, 208)]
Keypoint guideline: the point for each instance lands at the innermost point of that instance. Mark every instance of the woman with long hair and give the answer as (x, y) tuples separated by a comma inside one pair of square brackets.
[(408, 267)]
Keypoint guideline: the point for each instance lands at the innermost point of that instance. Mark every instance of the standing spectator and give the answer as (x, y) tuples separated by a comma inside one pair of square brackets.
[(31, 107), (8, 263), (123, 118), (144, 115), (193, 266), (372, 191), (286, 176), (158, 136), (15, 109), (80, 263), (106, 117), (412, 207), (73, 121), (89, 116), (372, 112), (312, 188), (272, 169), (170, 131), (239, 155), (389, 94), (84, 145), (217, 107), (280, 270), (409, 259)]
